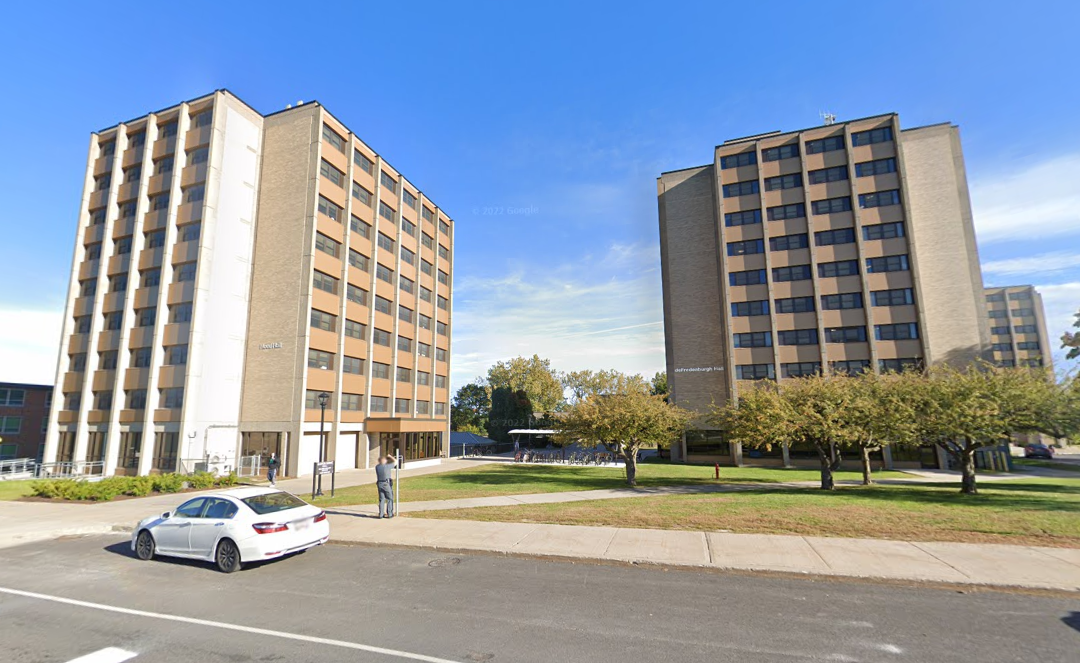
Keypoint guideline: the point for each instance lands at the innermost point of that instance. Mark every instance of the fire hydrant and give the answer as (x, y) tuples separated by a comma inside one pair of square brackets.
[(718, 470)]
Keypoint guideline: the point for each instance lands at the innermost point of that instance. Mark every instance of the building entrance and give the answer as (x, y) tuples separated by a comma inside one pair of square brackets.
[(263, 444)]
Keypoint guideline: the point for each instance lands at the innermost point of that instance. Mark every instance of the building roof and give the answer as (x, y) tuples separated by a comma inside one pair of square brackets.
[(469, 438), (23, 385), (774, 134)]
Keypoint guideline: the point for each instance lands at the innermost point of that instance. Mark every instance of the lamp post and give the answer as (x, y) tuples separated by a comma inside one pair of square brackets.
[(323, 398)]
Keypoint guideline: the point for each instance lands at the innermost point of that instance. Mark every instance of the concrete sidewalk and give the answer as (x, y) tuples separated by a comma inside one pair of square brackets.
[(26, 522), (954, 563)]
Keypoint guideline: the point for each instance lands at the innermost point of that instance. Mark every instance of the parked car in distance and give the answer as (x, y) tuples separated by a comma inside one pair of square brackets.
[(233, 528), (1038, 450)]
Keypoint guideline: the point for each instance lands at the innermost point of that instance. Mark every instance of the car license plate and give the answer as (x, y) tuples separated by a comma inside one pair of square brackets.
[(302, 525)]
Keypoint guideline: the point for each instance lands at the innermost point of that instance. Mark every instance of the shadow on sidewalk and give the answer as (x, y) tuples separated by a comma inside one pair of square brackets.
[(1072, 621), (354, 514)]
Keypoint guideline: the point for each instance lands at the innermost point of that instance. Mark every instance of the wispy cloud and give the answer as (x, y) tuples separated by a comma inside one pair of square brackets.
[(1061, 302), (1040, 201), (612, 313), (1041, 264), (29, 343)]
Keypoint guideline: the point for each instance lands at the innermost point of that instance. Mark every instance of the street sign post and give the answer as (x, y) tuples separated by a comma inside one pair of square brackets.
[(318, 470), (397, 479)]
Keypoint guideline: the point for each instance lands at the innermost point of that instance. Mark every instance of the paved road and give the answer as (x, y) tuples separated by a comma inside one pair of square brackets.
[(336, 603)]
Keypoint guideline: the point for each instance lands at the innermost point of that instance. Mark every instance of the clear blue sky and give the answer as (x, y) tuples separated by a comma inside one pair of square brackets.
[(563, 112)]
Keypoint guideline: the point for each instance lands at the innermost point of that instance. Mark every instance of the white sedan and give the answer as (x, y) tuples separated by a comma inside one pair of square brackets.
[(232, 528)]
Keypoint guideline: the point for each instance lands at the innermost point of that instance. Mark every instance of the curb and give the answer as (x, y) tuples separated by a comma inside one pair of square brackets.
[(810, 576)]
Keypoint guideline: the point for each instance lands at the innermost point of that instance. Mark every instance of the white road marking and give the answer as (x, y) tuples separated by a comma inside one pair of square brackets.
[(892, 649), (231, 627), (107, 655)]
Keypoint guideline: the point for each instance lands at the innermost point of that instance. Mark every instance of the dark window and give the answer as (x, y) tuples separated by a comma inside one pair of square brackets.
[(834, 174), (736, 160), (388, 182), (325, 282), (382, 305), (1019, 296), (1001, 347), (782, 152), (740, 188), (1025, 329), (896, 332), (353, 365), (887, 264), (850, 367), (879, 199), (781, 212), (358, 260), (386, 212), (998, 314), (320, 359), (410, 200), (788, 242), (362, 228), (322, 320), (783, 182), (839, 268), (793, 273), (845, 334), (330, 209), (800, 369), (753, 340), (882, 135), (842, 301), (408, 227), (897, 297), (742, 218), (797, 337), (795, 305), (755, 372), (875, 167), (1022, 312), (831, 205), (883, 231), (1001, 331), (355, 329), (381, 337), (838, 236), (365, 163), (384, 273), (830, 144), (898, 365), (332, 137), (750, 277), (356, 295), (745, 248), (1027, 345), (361, 194), (742, 309)]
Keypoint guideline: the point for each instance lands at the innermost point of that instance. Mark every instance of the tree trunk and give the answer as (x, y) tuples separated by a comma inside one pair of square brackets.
[(630, 457), (827, 482), (866, 479), (967, 466)]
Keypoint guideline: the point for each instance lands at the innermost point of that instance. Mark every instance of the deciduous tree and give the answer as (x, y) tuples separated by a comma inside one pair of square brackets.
[(625, 420), (470, 408)]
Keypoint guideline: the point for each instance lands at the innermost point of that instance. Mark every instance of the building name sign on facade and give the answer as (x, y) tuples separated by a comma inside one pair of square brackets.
[(699, 369), (270, 346)]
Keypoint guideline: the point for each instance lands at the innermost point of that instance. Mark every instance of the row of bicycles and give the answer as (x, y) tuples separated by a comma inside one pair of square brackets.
[(573, 458)]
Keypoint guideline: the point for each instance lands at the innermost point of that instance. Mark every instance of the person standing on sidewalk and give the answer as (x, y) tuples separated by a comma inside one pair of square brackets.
[(384, 481), (272, 466)]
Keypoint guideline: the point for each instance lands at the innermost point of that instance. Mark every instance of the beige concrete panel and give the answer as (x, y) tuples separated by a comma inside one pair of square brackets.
[(788, 289), (825, 159), (164, 147), (181, 292), (155, 220), (892, 280), (894, 349), (743, 233), (135, 378), (829, 190), (884, 315), (197, 136), (740, 203), (887, 214), (753, 356), (320, 380), (158, 184), (323, 340), (789, 354), (848, 351), (885, 247), (833, 286), (193, 174), (172, 334), (145, 297), (170, 376), (832, 221), (140, 337), (782, 197), (872, 152), (837, 252), (843, 318), (189, 212), (185, 252), (740, 174), (752, 323), (789, 258)]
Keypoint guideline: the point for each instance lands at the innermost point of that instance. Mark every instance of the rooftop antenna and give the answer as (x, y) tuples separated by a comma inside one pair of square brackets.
[(829, 118)]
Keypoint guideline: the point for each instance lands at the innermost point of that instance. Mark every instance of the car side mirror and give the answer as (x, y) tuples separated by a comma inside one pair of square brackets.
[(166, 515)]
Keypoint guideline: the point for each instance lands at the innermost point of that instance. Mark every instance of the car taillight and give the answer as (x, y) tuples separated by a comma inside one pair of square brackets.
[(269, 528), (321, 517)]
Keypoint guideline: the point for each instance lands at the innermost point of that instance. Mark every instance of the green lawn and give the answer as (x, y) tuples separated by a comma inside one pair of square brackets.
[(1043, 512), (1048, 464), (13, 490), (523, 479)]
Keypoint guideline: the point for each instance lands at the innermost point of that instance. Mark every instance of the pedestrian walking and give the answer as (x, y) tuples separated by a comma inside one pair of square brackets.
[(272, 468), (384, 481)]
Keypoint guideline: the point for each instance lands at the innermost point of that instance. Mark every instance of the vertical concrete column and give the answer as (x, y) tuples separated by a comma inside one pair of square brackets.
[(856, 211)]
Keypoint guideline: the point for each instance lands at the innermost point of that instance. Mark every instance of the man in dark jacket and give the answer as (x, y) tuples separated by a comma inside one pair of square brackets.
[(272, 466), (384, 481)]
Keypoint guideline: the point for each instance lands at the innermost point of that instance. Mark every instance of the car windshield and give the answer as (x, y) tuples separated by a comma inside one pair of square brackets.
[(273, 502)]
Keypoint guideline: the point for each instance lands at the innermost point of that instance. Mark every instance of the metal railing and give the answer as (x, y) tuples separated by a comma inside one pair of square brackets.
[(214, 464), (78, 469), (17, 466), (249, 466)]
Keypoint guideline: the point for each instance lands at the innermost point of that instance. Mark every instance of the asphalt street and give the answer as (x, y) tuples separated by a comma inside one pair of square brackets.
[(341, 603)]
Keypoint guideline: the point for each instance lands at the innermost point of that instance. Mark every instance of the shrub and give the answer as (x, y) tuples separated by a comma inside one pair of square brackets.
[(168, 483), (139, 486), (228, 480), (202, 480)]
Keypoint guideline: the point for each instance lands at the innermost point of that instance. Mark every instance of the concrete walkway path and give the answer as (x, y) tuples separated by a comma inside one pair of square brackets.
[(954, 563)]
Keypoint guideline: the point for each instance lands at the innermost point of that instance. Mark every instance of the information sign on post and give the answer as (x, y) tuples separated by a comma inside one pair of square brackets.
[(320, 469)]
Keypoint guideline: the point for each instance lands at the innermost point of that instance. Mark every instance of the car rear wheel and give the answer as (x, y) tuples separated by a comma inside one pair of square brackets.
[(144, 546), (227, 557)]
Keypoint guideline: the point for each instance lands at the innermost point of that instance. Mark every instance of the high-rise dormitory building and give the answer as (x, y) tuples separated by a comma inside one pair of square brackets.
[(230, 267), (1018, 326), (839, 248)]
